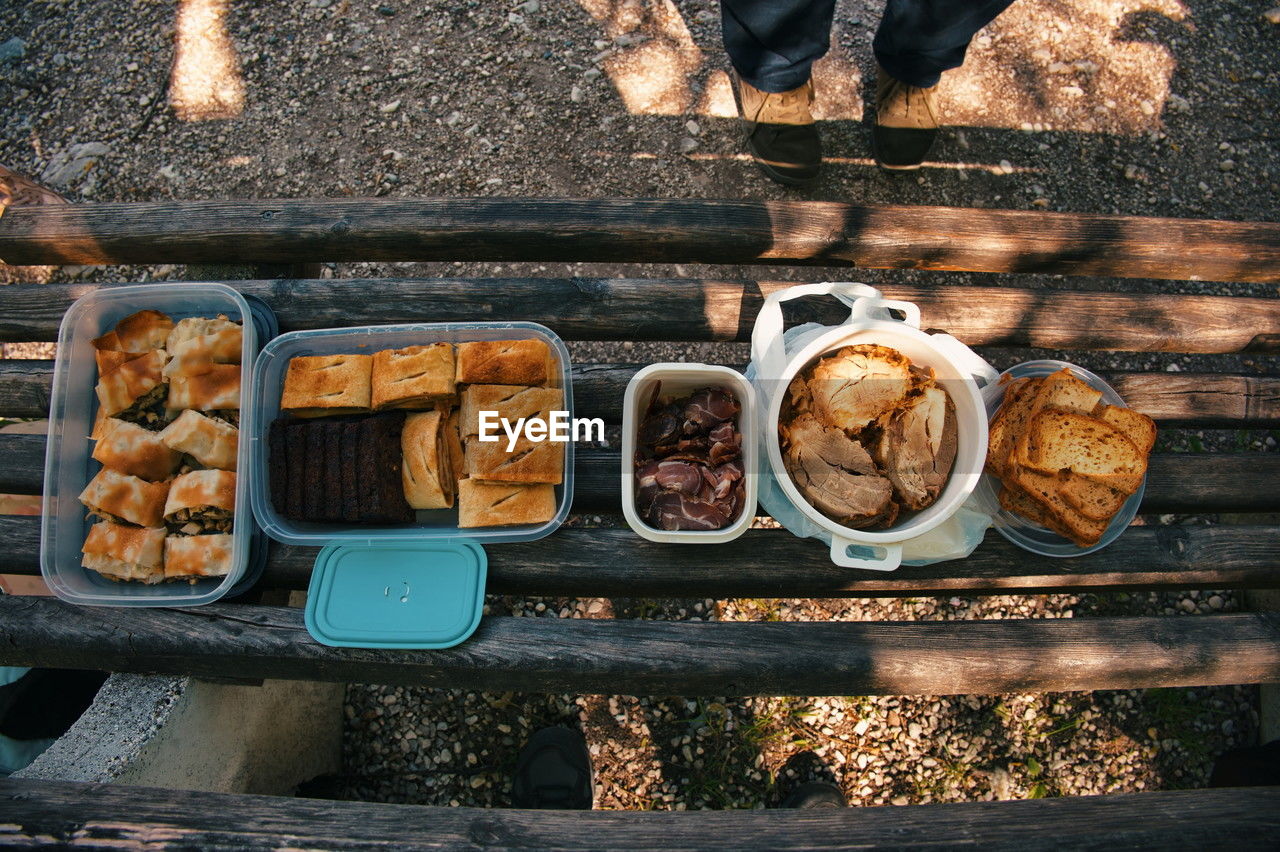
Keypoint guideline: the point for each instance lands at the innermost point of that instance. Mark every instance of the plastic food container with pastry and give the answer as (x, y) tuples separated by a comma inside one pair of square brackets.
[(1019, 530), (69, 465), (872, 321), (676, 380), (269, 376)]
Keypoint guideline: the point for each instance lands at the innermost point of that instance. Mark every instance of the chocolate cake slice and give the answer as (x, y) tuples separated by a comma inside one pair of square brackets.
[(277, 466), (332, 475), (393, 507), (348, 467), (313, 497), (295, 461)]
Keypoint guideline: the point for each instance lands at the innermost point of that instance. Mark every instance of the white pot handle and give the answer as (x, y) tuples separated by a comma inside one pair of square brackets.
[(970, 361), (767, 351), (840, 555)]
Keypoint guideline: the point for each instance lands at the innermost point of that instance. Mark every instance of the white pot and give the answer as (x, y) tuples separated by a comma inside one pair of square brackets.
[(959, 370)]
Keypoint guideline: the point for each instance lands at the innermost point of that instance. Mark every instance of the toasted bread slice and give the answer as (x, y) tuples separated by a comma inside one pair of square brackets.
[(1014, 499), (1010, 421), (1066, 521), (1063, 390), (1091, 499), (1134, 425), (1057, 441), (1060, 390)]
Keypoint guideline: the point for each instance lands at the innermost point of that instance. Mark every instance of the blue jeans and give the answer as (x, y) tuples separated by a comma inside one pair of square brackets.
[(774, 43)]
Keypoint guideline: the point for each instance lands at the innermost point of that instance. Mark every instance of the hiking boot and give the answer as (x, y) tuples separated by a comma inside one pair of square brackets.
[(553, 772), (906, 123), (781, 135), (815, 794)]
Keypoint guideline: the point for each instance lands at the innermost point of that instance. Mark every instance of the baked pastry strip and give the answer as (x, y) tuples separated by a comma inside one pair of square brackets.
[(118, 496), (124, 552), (129, 448)]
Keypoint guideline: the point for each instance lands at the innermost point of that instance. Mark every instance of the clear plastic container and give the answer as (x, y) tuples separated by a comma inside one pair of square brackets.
[(1019, 530), (679, 380), (436, 523), (68, 462)]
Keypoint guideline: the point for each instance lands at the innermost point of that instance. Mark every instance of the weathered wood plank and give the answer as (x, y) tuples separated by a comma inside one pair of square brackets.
[(642, 231), (772, 563), (1194, 400), (25, 388), (1176, 482), (685, 309), (664, 657), (34, 813)]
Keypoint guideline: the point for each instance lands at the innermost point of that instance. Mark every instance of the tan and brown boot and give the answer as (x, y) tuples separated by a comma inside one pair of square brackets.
[(781, 135), (906, 123)]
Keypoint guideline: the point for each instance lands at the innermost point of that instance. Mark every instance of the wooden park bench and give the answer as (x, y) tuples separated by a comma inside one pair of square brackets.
[(244, 639)]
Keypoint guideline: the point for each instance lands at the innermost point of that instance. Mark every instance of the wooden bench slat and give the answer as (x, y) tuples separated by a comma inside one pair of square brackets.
[(772, 563), (1194, 400), (40, 812), (697, 310), (664, 657), (641, 231), (1176, 482)]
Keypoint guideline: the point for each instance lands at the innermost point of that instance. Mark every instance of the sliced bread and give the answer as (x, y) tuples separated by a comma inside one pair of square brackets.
[(1043, 489), (1009, 422), (1134, 425), (1058, 440), (1091, 499), (1060, 390)]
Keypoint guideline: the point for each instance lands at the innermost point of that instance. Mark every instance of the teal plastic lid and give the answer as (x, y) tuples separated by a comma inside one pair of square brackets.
[(410, 594)]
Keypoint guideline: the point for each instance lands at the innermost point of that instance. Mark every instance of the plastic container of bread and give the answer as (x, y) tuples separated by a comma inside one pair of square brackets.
[(68, 462), (269, 373)]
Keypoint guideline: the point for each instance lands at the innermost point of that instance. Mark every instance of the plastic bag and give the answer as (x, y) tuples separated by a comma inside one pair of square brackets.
[(954, 538)]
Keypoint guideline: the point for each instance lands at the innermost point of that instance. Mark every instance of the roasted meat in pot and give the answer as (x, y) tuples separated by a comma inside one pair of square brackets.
[(866, 434)]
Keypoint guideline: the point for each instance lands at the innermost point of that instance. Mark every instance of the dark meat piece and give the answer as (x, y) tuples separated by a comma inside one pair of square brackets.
[(726, 476), (723, 451), (647, 487), (707, 408), (722, 433), (658, 429), (678, 476), (674, 511), (918, 447), (693, 445)]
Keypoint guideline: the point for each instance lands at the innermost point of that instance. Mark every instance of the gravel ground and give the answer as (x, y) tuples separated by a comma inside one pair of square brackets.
[(1093, 105)]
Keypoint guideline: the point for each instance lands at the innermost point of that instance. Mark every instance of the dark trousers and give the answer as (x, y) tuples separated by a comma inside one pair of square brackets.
[(774, 43)]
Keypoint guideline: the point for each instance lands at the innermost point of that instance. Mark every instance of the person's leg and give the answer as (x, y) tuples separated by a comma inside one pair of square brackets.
[(919, 39), (772, 45), (916, 41)]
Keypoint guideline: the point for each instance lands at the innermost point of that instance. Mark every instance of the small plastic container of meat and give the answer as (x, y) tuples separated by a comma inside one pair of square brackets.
[(679, 380)]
